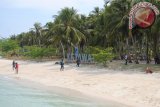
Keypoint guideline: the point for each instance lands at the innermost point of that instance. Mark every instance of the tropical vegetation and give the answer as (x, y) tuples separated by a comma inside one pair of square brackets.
[(104, 28)]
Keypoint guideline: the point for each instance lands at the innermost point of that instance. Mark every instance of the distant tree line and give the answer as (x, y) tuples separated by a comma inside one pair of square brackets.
[(104, 28)]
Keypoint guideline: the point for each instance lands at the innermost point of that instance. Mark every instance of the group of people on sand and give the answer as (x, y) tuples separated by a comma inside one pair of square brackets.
[(62, 64), (15, 66), (130, 57), (147, 70)]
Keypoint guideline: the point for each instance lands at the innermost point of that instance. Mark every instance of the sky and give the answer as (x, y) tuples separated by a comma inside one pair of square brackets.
[(17, 16)]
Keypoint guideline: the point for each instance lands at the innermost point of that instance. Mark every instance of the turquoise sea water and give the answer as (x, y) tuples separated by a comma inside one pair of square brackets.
[(13, 94)]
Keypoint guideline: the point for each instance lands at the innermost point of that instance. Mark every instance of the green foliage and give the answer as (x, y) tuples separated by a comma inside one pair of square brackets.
[(8, 45), (107, 27), (38, 52), (104, 55), (92, 50)]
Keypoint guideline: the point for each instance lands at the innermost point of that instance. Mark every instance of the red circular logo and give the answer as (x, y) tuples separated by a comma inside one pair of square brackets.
[(144, 17)]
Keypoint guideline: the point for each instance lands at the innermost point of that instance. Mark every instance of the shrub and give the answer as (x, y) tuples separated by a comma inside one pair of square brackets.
[(92, 50), (8, 45), (104, 55), (38, 52)]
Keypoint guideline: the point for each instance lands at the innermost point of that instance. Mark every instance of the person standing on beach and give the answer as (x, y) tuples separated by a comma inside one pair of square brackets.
[(62, 65), (16, 67), (13, 64), (78, 62), (156, 59), (126, 58)]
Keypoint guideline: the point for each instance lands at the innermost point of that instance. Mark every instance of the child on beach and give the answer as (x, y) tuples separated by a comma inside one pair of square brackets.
[(16, 67), (62, 65)]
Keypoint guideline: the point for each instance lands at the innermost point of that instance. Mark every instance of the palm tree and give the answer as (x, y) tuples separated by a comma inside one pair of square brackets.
[(65, 30), (155, 31), (116, 24), (38, 30), (107, 27)]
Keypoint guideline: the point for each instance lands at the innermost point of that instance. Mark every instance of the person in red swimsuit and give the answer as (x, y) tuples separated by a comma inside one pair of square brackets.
[(16, 67)]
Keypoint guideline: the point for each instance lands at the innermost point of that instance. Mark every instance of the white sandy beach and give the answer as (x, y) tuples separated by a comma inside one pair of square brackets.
[(132, 88)]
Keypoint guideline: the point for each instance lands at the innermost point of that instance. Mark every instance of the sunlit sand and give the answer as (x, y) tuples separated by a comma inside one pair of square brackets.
[(133, 88)]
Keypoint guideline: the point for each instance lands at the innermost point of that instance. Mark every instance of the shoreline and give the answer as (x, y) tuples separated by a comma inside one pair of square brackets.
[(66, 92), (134, 89)]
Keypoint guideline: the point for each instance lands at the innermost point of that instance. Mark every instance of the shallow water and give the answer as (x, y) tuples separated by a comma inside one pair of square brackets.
[(13, 94)]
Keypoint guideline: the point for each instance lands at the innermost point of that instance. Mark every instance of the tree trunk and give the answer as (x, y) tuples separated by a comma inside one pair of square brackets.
[(155, 45), (39, 43), (147, 50), (127, 45), (62, 49), (40, 36)]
